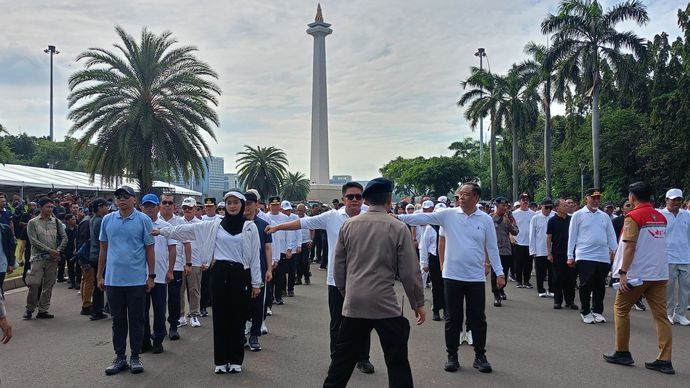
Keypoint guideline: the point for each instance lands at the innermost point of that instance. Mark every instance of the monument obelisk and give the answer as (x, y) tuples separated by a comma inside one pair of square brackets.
[(319, 173)]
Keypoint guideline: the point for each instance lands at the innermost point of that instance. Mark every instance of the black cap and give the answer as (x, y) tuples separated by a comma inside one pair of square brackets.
[(124, 189), (96, 203), (378, 185), (593, 193), (274, 200), (608, 205), (546, 202), (250, 197), (211, 201), (500, 200), (523, 195)]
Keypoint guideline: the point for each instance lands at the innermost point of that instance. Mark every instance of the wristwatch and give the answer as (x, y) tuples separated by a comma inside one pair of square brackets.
[(152, 276), (188, 264), (621, 272)]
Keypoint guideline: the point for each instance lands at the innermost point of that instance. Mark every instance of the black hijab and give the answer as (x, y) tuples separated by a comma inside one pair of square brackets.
[(234, 224)]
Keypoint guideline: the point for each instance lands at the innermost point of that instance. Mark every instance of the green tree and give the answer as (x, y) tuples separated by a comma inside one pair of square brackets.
[(436, 176), (585, 38), (263, 169), (295, 187), (147, 105)]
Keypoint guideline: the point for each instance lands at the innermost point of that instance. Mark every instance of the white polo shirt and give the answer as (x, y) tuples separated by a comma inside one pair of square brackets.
[(427, 246), (160, 247), (677, 236), (537, 234), (280, 238), (591, 236), (523, 218), (468, 237)]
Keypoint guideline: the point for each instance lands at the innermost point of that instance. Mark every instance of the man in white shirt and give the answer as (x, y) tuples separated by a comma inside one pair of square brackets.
[(537, 247), (295, 243), (429, 263), (468, 236), (523, 261), (191, 283), (331, 221), (678, 254), (282, 249), (591, 244), (165, 252), (302, 264), (205, 301)]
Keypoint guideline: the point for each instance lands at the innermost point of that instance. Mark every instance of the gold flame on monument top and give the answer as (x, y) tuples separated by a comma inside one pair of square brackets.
[(319, 15)]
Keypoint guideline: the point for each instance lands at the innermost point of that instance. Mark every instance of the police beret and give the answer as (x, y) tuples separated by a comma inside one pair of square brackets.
[(378, 185)]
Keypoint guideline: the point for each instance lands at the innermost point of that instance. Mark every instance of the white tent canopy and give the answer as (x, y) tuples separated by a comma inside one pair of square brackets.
[(19, 176)]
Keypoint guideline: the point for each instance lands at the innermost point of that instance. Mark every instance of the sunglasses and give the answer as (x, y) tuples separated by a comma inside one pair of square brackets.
[(354, 197), (548, 207), (123, 196), (167, 202), (187, 208)]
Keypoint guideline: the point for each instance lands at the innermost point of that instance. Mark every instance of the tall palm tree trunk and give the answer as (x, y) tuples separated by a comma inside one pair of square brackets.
[(595, 132), (547, 145), (492, 154), (513, 130)]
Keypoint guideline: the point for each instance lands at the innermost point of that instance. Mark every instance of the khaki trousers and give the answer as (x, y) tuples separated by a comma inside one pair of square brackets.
[(192, 284), (655, 293), (88, 280), (43, 276)]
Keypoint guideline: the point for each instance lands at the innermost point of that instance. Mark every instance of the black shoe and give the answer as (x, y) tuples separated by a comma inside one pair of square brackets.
[(306, 280), (527, 285), (497, 302), (437, 316), (254, 344), (557, 306), (291, 294), (452, 365), (661, 366), (204, 312), (146, 346), (119, 364), (85, 311), (620, 358), (572, 306), (61, 280), (279, 301), (45, 315), (503, 295), (298, 282), (98, 317), (157, 347), (365, 367), (71, 286), (482, 364), (27, 315), (135, 365), (174, 335)]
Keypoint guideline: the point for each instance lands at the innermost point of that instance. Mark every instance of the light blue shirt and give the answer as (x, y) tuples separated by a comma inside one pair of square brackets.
[(126, 256)]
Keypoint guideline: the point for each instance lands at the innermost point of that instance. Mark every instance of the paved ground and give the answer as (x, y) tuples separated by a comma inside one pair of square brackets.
[(529, 345)]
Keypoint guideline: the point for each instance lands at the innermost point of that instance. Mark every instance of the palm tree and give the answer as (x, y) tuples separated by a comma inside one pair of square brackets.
[(262, 168), (295, 186), (585, 38), (148, 105)]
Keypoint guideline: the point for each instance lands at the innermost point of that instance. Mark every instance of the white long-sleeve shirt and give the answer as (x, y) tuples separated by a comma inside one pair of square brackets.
[(281, 243), (294, 237), (591, 236), (469, 237), (677, 236), (523, 218), (427, 246), (305, 233), (537, 234)]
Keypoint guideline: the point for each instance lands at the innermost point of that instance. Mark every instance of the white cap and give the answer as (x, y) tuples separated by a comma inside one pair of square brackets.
[(674, 193), (409, 206), (517, 203), (256, 192), (286, 205), (427, 204), (443, 199), (189, 201), (440, 206)]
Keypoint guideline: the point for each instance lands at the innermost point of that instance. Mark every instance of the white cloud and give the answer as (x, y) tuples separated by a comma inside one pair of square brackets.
[(393, 67)]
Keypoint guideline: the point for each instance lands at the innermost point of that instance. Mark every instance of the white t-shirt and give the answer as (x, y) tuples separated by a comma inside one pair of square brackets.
[(537, 234), (523, 218), (228, 247)]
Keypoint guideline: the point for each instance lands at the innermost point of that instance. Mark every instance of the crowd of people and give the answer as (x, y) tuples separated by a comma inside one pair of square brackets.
[(153, 266)]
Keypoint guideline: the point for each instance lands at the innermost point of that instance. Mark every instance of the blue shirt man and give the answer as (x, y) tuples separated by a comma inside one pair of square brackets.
[(127, 238)]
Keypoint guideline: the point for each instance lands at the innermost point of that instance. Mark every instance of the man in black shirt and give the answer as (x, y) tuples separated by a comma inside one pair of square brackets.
[(557, 248)]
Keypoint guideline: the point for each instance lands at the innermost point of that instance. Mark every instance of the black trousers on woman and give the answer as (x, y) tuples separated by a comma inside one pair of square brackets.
[(230, 287)]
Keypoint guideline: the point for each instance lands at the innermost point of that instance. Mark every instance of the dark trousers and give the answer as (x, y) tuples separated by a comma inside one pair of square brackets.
[(257, 306), (544, 268), (523, 264), (461, 297), (563, 280), (592, 282), (290, 267), (354, 336), (438, 300), (335, 306), (506, 261), (280, 277), (98, 297), (323, 252), (302, 264), (230, 284), (127, 308), (61, 267), (156, 297), (174, 299), (73, 271), (205, 300), (2, 281)]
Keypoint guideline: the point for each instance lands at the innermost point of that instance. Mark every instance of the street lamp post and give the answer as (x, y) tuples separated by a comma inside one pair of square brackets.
[(582, 181), (52, 51), (481, 53)]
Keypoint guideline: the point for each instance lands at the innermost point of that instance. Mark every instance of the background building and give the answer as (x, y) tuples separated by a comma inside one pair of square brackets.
[(213, 182), (231, 181), (340, 179)]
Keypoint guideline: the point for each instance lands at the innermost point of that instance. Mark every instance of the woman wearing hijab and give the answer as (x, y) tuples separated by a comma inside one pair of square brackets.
[(233, 243)]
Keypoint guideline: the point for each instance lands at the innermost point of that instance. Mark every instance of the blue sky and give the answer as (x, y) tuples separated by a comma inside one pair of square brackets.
[(394, 67)]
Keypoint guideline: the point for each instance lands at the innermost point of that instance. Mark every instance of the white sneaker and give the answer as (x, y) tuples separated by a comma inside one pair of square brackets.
[(543, 294), (589, 318), (247, 327), (598, 318), (234, 368), (549, 294), (670, 319), (264, 328), (468, 336), (195, 321), (463, 337), (221, 369), (268, 311), (681, 319), (182, 321)]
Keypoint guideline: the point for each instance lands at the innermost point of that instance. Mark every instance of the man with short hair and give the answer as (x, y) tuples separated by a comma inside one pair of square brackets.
[(538, 248), (191, 284), (430, 264), (295, 243), (564, 275), (48, 240), (205, 301), (505, 226), (642, 258), (92, 299), (302, 264), (523, 261), (678, 254), (127, 250), (282, 248), (591, 244)]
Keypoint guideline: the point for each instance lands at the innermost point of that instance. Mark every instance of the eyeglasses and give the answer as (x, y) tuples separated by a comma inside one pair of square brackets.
[(185, 208), (149, 205), (354, 197), (123, 196), (627, 205), (167, 202)]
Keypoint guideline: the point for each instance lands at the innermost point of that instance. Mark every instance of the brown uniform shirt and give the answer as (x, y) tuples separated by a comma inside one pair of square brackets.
[(371, 249)]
